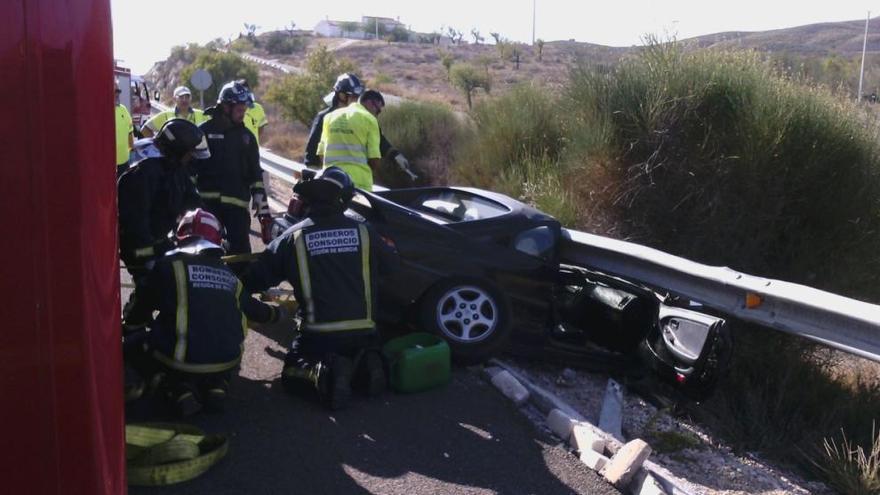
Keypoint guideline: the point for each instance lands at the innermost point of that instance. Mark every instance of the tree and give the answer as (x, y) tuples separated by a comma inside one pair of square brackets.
[(502, 44), (223, 67), (374, 27), (300, 96), (350, 27), (455, 35), (447, 59), (291, 29), (515, 56), (251, 30), (399, 34), (540, 44), (476, 35), (468, 78)]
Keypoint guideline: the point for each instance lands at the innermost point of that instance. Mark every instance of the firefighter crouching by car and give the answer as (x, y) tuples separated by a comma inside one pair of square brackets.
[(195, 343), (332, 262), (232, 177), (155, 192)]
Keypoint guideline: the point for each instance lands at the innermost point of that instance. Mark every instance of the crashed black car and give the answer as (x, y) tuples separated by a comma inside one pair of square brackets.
[(483, 271)]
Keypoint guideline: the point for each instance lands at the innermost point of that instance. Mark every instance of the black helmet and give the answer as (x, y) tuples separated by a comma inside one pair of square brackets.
[(177, 137), (235, 92), (334, 187), (345, 83)]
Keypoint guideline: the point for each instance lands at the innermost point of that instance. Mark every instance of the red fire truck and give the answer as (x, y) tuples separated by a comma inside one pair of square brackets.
[(135, 95), (61, 365)]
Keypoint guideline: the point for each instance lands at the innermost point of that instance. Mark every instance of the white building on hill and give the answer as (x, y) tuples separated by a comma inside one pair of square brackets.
[(355, 29)]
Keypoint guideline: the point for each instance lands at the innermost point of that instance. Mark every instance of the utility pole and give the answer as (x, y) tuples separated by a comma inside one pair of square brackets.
[(534, 10), (864, 48)]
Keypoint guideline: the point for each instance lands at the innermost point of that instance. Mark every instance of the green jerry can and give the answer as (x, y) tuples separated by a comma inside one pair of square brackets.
[(418, 361)]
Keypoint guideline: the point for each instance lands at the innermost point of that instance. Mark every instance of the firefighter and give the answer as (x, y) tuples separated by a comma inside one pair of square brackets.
[(346, 90), (195, 342), (232, 176), (124, 134), (331, 261), (155, 192), (182, 110)]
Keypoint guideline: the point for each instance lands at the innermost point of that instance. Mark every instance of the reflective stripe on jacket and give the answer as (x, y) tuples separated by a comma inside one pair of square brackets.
[(350, 137), (232, 174), (331, 263), (201, 323)]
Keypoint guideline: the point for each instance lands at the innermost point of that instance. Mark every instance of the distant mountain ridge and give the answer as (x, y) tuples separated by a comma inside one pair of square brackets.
[(825, 38)]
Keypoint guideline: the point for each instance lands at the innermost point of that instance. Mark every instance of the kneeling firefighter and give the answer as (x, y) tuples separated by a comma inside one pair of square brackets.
[(195, 343), (332, 262)]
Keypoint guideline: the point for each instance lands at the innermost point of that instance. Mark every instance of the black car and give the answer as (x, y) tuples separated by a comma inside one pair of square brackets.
[(484, 271)]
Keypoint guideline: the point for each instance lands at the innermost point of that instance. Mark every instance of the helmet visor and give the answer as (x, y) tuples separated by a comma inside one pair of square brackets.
[(201, 151)]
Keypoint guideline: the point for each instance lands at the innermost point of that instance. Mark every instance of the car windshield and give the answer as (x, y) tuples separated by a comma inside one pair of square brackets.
[(459, 206)]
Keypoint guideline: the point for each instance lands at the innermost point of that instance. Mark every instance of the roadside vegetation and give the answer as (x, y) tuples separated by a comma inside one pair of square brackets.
[(718, 157)]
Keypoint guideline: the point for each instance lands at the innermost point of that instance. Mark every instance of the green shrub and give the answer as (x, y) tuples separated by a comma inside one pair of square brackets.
[(223, 67), (279, 43), (299, 96), (849, 468), (427, 134), (771, 176), (523, 125), (242, 44)]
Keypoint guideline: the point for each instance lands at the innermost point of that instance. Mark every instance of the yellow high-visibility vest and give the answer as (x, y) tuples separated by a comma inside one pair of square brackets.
[(156, 122), (254, 118), (124, 128), (349, 139)]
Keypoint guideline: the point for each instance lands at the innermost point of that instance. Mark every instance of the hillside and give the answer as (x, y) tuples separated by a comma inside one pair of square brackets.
[(827, 52), (828, 38)]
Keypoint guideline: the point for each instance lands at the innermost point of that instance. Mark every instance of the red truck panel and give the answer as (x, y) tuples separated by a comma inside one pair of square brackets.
[(60, 357)]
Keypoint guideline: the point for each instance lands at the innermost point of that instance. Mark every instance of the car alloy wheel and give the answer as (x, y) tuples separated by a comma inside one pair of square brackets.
[(467, 314)]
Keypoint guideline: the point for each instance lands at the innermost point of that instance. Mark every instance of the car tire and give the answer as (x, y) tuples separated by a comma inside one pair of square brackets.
[(471, 315)]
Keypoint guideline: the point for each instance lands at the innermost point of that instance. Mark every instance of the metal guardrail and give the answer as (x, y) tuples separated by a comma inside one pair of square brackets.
[(839, 322), (836, 321)]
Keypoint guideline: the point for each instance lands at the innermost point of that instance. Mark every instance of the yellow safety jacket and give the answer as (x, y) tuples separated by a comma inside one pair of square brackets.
[(156, 122), (254, 119), (124, 128), (349, 138)]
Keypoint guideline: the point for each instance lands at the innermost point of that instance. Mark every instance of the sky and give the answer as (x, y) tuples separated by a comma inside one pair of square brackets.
[(139, 41)]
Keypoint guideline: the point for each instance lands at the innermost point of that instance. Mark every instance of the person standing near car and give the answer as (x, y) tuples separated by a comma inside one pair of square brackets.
[(255, 116), (350, 139), (155, 192), (346, 90), (232, 177), (332, 262), (182, 110), (124, 134), (196, 340)]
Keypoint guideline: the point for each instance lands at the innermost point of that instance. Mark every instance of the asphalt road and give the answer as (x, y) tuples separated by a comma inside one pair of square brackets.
[(464, 438)]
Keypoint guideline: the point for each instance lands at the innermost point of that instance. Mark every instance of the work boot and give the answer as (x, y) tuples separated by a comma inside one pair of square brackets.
[(370, 377), (334, 381), (214, 394), (183, 401)]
